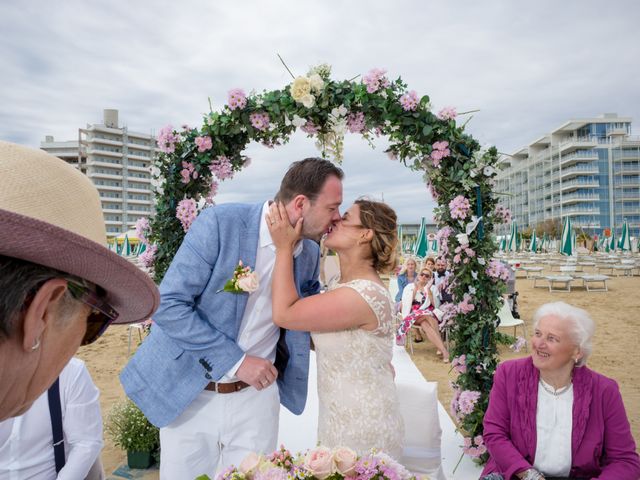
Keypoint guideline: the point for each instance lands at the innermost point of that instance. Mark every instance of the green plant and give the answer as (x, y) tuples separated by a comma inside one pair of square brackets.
[(130, 430)]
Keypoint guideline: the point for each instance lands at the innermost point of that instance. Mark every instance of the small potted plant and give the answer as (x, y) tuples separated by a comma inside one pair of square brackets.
[(131, 431)]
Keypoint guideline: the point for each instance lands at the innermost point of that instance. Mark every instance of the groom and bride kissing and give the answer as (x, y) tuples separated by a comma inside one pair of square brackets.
[(217, 364)]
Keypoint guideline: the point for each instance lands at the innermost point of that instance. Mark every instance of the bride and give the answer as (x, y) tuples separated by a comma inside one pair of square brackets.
[(352, 326)]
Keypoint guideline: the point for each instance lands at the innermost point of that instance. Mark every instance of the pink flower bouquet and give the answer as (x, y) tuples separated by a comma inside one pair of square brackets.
[(319, 463)]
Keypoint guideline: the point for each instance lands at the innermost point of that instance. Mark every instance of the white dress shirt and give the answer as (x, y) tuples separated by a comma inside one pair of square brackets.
[(26, 442), (554, 424), (258, 335)]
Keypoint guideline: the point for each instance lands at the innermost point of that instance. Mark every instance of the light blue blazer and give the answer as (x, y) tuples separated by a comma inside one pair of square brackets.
[(193, 341)]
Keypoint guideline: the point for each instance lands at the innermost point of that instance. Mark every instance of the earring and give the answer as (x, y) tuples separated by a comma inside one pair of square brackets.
[(576, 359), (36, 345)]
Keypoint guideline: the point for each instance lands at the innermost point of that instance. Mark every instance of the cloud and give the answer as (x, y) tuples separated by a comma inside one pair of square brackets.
[(527, 67)]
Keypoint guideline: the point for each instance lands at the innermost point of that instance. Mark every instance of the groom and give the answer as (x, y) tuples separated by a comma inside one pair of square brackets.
[(206, 375)]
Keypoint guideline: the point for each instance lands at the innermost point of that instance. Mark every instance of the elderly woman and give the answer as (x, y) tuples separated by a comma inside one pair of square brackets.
[(60, 287), (551, 416)]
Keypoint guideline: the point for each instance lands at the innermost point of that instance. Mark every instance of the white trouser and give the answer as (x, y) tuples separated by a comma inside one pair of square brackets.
[(218, 430)]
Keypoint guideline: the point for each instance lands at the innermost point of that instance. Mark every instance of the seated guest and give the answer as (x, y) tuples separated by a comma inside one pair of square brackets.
[(418, 309), (406, 275), (28, 451), (551, 416), (440, 282)]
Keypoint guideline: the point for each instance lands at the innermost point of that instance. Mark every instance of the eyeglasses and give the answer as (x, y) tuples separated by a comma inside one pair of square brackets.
[(101, 316)]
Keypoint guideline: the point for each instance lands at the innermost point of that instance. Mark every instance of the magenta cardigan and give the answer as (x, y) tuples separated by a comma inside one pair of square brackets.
[(601, 442)]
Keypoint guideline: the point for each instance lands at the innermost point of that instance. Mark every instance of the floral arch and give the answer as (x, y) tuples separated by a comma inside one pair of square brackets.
[(459, 174)]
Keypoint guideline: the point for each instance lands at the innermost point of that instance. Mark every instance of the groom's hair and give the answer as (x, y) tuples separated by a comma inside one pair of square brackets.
[(306, 177)]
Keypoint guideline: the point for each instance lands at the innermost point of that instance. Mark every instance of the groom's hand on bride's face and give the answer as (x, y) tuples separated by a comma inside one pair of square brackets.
[(257, 372)]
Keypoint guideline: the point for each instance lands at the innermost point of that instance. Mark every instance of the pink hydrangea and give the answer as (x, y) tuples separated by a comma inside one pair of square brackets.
[(497, 270), (459, 207), (237, 99), (260, 120), (186, 212), (459, 364), (147, 257), (503, 213), (466, 305), (518, 344), (439, 151), (167, 139), (310, 128), (375, 79), (143, 228), (356, 122), (467, 402), (221, 167), (188, 172), (447, 113), (203, 143), (409, 101), (474, 448)]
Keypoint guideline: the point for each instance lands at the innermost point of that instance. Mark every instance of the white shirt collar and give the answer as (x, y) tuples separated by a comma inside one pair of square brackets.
[(264, 238)]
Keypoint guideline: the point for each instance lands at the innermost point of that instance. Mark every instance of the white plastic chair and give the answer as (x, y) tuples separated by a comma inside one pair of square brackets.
[(508, 320)]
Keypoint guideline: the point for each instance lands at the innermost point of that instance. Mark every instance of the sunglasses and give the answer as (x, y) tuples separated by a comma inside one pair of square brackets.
[(428, 275), (101, 316)]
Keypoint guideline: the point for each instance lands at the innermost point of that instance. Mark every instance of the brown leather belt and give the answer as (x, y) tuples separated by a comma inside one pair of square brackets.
[(226, 387)]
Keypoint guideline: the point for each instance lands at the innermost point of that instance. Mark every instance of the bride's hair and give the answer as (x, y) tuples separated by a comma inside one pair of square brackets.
[(380, 218)]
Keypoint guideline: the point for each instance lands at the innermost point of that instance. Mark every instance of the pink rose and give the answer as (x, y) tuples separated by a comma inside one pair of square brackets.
[(249, 282), (345, 461), (250, 463), (319, 462)]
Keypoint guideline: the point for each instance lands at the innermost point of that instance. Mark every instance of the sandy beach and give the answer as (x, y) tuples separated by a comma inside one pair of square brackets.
[(616, 353)]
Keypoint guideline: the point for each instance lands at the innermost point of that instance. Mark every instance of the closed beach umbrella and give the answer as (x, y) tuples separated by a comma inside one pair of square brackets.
[(400, 235), (503, 243), (420, 249), (513, 237), (126, 247), (625, 240), (612, 242), (141, 248), (566, 243), (533, 247)]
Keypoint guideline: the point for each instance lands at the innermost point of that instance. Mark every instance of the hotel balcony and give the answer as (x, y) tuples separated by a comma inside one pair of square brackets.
[(107, 176), (97, 151), (579, 169), (135, 168), (110, 188), (91, 139), (576, 144), (580, 183)]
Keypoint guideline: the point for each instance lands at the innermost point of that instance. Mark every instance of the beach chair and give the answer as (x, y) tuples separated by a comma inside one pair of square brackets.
[(507, 320)]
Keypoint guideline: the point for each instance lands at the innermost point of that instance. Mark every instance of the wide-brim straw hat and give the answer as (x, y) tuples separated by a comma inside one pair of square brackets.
[(50, 214)]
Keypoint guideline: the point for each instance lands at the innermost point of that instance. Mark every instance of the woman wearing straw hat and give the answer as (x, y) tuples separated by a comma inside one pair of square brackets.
[(60, 287)]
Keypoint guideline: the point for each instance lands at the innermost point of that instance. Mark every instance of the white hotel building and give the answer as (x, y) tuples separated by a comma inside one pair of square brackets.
[(118, 162), (586, 169)]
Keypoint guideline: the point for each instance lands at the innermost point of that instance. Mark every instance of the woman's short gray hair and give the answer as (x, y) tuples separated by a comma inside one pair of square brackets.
[(579, 322)]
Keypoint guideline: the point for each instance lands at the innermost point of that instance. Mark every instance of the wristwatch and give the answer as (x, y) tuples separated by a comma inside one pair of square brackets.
[(532, 474)]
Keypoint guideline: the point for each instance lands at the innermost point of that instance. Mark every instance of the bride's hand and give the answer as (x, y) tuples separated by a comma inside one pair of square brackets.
[(282, 233)]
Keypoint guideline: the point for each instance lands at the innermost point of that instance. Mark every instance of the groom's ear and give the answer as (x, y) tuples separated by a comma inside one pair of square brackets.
[(298, 204)]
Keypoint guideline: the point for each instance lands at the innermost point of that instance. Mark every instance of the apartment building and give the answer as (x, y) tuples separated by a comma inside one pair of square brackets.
[(586, 169), (118, 162)]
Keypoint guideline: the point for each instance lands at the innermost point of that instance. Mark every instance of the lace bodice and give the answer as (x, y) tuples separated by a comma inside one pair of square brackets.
[(358, 404)]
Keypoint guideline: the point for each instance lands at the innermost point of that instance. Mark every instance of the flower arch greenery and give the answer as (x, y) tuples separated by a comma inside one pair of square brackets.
[(459, 174)]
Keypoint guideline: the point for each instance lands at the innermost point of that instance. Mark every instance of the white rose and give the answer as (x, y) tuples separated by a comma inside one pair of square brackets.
[(249, 282), (308, 100), (463, 239), (298, 121), (316, 82), (299, 88), (488, 171)]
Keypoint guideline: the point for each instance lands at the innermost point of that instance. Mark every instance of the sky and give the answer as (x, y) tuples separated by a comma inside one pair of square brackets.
[(526, 66)]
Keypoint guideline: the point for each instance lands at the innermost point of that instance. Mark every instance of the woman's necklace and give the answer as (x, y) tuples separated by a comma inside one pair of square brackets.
[(555, 392)]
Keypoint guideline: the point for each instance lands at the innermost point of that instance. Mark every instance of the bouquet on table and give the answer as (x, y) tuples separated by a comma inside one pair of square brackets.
[(319, 463)]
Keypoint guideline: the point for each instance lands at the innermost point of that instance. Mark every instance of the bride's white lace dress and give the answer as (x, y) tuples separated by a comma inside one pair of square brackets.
[(358, 404)]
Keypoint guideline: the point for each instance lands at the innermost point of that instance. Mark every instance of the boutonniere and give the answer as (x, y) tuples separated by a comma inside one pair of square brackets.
[(244, 280)]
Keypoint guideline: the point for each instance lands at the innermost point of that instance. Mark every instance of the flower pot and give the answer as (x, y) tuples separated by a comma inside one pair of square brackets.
[(139, 459)]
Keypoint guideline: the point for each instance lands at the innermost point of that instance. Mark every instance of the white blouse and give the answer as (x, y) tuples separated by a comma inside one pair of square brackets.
[(554, 423)]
